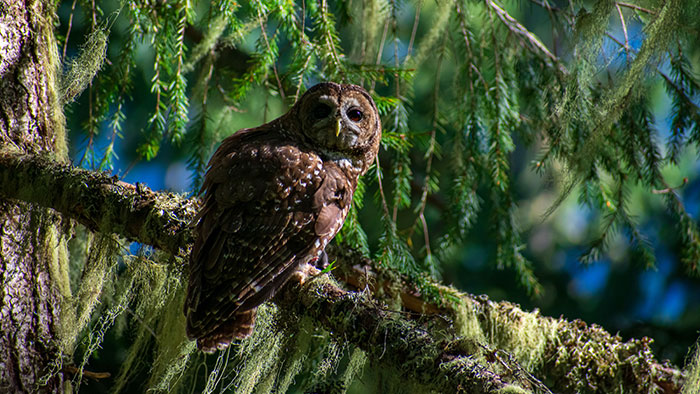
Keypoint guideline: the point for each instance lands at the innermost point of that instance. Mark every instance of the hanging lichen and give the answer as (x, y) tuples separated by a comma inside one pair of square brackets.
[(154, 283), (692, 380)]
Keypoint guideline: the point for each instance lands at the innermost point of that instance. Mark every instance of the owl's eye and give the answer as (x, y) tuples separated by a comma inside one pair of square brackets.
[(354, 114), (320, 111)]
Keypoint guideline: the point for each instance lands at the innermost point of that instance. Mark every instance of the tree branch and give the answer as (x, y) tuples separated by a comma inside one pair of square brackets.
[(526, 37), (483, 346), (100, 202), (444, 365)]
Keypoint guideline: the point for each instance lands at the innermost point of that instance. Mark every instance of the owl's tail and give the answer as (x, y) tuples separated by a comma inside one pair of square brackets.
[(240, 326)]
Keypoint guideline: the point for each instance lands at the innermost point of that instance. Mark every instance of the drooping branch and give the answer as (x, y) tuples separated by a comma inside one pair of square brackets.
[(571, 356)]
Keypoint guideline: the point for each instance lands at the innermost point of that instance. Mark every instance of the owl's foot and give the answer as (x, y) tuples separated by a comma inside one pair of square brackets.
[(304, 272), (322, 261)]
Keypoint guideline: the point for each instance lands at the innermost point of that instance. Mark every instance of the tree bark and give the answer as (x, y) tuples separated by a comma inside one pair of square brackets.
[(571, 357), (32, 249)]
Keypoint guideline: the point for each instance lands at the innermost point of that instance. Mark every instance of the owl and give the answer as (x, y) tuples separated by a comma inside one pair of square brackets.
[(274, 196)]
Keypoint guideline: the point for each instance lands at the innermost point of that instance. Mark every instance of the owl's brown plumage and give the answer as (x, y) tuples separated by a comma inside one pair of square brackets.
[(275, 195)]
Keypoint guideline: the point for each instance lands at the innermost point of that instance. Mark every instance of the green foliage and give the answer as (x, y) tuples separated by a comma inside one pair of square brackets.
[(479, 112), (463, 87)]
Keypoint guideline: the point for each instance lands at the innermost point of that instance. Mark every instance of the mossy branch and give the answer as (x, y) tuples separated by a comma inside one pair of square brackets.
[(570, 356), (99, 201), (446, 366), (485, 347)]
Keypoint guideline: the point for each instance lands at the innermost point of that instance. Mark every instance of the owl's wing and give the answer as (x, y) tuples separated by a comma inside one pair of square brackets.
[(259, 220)]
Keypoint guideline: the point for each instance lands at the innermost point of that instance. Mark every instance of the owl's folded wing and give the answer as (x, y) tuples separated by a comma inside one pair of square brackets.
[(256, 226)]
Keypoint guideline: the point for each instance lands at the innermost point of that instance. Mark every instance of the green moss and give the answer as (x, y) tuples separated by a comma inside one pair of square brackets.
[(356, 363), (692, 371), (254, 358), (52, 74), (58, 260), (511, 389), (297, 356), (152, 283), (172, 349), (81, 70), (507, 327)]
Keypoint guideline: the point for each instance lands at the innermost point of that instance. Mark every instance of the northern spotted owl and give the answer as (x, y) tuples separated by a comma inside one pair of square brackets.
[(274, 196)]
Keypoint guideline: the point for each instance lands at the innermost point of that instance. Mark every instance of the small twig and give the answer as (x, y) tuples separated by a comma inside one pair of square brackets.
[(397, 80), (94, 15), (415, 29), (381, 188), (303, 16), (301, 80), (381, 49), (430, 154), (426, 235), (624, 31), (467, 44), (70, 25), (73, 370), (329, 40), (670, 189), (308, 58), (525, 35), (635, 7), (267, 43)]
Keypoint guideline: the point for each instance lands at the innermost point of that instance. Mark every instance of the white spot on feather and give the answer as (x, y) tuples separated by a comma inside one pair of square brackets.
[(344, 163)]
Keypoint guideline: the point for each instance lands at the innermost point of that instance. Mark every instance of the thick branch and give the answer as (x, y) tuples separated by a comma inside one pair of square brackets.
[(449, 366), (567, 354), (100, 202), (576, 356)]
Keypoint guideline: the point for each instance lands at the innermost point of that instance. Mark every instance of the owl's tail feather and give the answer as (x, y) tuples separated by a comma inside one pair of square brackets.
[(240, 326)]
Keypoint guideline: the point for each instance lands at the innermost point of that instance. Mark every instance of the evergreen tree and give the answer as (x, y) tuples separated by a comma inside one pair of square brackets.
[(497, 116)]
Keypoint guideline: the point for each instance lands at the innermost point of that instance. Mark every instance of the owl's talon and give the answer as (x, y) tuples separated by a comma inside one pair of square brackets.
[(322, 261), (304, 273)]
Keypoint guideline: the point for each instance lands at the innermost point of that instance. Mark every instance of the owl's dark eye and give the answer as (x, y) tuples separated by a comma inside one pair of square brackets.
[(321, 110), (354, 114)]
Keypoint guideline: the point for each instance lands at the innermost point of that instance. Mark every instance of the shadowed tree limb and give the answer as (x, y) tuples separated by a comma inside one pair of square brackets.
[(485, 347), (99, 201)]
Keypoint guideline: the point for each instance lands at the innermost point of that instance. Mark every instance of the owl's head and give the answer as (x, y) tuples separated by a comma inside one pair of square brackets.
[(342, 121)]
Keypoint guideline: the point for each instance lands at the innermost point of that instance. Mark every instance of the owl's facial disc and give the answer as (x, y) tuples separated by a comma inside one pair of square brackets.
[(337, 126), (340, 121)]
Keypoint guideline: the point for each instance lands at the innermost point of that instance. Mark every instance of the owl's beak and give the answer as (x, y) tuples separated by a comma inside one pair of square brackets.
[(337, 127)]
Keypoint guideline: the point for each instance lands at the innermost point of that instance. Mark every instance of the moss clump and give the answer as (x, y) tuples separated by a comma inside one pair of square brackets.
[(505, 326), (152, 287), (692, 379)]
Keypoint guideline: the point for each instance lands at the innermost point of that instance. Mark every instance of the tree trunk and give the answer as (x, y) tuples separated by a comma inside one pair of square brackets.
[(32, 249)]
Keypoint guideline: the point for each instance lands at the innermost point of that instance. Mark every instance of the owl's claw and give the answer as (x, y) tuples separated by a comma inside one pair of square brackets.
[(304, 273), (322, 261)]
